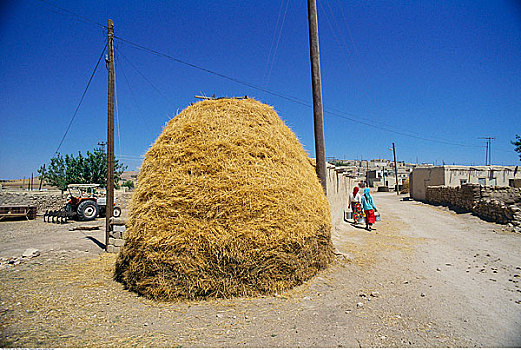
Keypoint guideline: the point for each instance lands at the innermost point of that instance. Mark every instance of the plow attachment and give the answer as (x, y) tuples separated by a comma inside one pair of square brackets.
[(56, 216)]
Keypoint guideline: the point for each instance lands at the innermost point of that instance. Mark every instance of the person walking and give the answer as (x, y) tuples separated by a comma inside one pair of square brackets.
[(369, 209), (355, 203)]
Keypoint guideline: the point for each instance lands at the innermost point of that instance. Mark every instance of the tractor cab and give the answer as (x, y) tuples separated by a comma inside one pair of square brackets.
[(81, 192)]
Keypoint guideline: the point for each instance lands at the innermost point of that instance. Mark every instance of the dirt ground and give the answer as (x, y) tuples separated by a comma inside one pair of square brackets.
[(427, 277)]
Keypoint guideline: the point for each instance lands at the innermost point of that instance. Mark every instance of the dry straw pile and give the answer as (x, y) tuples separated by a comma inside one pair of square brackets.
[(227, 204)]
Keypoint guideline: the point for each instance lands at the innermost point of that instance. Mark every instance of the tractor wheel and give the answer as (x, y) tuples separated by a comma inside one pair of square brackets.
[(88, 210), (117, 212)]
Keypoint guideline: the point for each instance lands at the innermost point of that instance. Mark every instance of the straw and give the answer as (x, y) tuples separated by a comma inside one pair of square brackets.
[(227, 204)]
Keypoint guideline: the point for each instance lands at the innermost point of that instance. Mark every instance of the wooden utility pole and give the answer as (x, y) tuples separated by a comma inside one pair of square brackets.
[(396, 171), (110, 134), (41, 178), (32, 181), (318, 118), (488, 152)]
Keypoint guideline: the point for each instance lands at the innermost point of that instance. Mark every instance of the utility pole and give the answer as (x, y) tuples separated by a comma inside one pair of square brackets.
[(32, 181), (110, 134), (367, 173), (488, 152), (396, 171), (318, 117), (41, 178)]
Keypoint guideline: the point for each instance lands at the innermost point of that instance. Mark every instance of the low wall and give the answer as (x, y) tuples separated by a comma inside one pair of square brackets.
[(491, 203), (338, 188), (45, 200), (42, 200)]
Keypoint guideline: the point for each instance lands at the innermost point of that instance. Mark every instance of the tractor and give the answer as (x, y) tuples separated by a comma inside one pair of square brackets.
[(82, 204)]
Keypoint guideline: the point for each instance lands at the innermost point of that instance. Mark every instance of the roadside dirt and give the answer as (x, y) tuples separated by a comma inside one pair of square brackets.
[(427, 277)]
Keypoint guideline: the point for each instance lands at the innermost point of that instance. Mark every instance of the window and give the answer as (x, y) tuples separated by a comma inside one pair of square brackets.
[(462, 181), (482, 181)]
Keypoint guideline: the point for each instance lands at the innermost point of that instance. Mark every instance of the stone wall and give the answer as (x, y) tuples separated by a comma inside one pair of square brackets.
[(117, 235), (491, 203), (46, 200), (42, 200)]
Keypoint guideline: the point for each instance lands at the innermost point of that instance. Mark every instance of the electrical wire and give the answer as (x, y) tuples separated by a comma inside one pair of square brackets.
[(288, 98), (267, 81), (296, 100), (81, 100), (272, 42), (131, 91), (143, 76), (79, 17), (342, 44), (117, 110)]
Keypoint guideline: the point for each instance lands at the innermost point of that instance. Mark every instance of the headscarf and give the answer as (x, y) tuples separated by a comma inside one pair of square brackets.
[(355, 191), (366, 191)]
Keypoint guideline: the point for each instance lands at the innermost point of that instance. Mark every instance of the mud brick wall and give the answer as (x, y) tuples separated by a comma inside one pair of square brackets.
[(48, 200), (338, 189), (492, 203), (42, 200)]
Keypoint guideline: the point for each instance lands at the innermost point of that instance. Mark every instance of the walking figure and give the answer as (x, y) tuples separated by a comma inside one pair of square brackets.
[(355, 204), (369, 209)]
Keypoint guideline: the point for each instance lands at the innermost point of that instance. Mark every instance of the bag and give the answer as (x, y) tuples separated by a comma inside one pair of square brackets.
[(348, 215), (377, 216)]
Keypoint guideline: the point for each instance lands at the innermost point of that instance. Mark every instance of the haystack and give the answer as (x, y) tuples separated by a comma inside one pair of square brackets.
[(227, 204)]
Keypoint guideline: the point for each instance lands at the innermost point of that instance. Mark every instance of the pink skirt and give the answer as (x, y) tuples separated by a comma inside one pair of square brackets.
[(369, 217)]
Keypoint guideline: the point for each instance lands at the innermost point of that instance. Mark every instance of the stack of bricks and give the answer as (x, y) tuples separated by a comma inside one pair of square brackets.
[(117, 235)]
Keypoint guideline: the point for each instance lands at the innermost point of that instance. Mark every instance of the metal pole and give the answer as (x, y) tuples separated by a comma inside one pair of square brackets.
[(396, 170), (110, 135), (318, 118)]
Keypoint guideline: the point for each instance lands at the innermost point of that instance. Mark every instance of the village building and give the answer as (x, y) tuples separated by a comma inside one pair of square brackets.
[(457, 175)]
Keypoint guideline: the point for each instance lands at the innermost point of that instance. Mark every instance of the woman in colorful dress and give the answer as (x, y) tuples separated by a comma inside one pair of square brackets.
[(355, 200), (369, 209)]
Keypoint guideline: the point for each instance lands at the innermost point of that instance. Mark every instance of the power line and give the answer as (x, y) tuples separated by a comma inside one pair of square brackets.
[(79, 17), (157, 53), (268, 75), (81, 100), (142, 75), (272, 42), (288, 98), (296, 100), (117, 110), (488, 152)]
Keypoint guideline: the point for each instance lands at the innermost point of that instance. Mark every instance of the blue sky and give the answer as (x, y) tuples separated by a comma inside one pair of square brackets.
[(430, 76)]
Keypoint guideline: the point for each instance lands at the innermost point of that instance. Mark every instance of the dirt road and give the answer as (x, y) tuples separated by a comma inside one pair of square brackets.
[(426, 278)]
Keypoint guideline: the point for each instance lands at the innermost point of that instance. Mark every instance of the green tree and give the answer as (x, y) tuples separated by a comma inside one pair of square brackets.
[(92, 168), (129, 184), (518, 145)]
